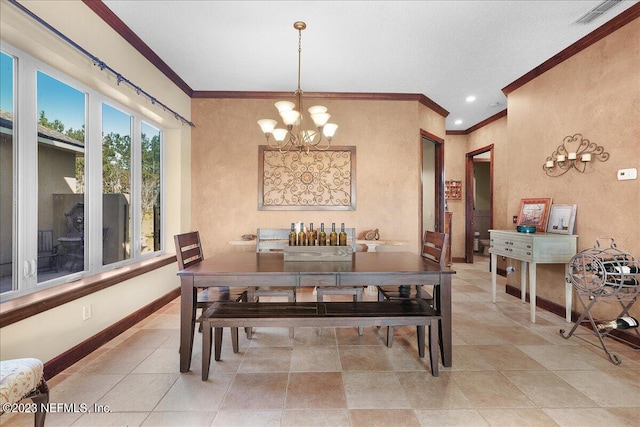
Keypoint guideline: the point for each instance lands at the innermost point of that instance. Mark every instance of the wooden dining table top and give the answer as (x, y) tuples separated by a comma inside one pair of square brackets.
[(249, 263)]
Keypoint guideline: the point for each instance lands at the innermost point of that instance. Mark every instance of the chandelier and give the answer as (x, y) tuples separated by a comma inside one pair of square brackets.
[(294, 135)]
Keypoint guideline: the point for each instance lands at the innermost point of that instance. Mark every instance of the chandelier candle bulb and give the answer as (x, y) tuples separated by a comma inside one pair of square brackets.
[(586, 157), (329, 130), (549, 163), (572, 156), (279, 134), (290, 117), (320, 119), (317, 109), (267, 125), (561, 157), (283, 106)]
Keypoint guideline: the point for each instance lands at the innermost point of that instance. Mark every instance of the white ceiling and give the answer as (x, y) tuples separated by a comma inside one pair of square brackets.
[(445, 50)]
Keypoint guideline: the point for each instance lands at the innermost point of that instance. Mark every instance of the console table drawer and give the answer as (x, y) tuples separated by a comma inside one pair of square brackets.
[(537, 247), (513, 246), (518, 252)]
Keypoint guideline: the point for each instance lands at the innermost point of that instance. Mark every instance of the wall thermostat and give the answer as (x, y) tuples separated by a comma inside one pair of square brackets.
[(625, 174)]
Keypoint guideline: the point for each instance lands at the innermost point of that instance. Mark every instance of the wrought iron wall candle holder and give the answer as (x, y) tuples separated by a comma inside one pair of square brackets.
[(574, 153)]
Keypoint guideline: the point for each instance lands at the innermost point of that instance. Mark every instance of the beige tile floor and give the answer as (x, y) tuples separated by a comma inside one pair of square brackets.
[(506, 372)]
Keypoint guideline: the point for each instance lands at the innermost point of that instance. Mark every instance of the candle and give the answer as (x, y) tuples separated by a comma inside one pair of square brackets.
[(561, 157), (572, 156), (586, 157), (549, 163)]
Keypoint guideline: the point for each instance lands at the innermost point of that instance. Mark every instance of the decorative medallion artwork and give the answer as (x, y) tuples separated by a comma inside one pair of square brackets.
[(297, 180)]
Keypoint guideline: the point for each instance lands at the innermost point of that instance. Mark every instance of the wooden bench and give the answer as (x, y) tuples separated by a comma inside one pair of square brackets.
[(319, 314)]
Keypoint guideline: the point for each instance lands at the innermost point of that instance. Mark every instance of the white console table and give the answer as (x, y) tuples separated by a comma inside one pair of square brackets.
[(532, 249)]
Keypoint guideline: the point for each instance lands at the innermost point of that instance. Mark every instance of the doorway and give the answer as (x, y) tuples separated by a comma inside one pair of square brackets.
[(478, 201), (431, 184)]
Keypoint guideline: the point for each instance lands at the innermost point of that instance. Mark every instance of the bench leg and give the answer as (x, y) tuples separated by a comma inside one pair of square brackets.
[(421, 344), (292, 298), (433, 346), (234, 339), (358, 297), (218, 343), (206, 349), (389, 336)]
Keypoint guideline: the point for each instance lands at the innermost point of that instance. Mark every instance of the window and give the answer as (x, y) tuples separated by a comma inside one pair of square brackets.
[(150, 197), (116, 185), (6, 172), (78, 190), (61, 196)]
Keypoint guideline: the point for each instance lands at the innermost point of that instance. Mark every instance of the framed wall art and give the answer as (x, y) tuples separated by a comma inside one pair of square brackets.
[(562, 219), (297, 180), (453, 190), (534, 212)]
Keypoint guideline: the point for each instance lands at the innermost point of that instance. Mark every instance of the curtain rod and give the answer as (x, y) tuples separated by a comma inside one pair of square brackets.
[(102, 65)]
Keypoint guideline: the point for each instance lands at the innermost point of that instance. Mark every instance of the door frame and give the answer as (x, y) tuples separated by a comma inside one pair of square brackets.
[(439, 183), (468, 197)]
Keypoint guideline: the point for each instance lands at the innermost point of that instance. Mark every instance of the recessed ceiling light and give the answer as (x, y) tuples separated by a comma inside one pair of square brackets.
[(494, 104), (470, 98), (458, 122)]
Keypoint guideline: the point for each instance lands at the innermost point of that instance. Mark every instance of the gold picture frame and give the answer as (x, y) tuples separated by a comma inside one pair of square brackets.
[(320, 180), (534, 212)]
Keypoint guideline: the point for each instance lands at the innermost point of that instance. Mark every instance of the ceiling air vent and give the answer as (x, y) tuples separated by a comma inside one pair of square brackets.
[(597, 11)]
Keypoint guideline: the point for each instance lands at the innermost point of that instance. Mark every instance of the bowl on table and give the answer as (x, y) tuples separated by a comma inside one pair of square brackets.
[(526, 228)]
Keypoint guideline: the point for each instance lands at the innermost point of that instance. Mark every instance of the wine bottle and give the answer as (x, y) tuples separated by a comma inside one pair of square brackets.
[(292, 235), (302, 236), (322, 239), (619, 323), (343, 236), (313, 235), (333, 236)]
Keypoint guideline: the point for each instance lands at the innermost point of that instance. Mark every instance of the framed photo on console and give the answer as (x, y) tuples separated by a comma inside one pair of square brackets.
[(562, 219), (534, 212)]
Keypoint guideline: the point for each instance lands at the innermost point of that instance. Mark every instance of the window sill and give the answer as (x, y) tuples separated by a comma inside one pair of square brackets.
[(29, 305)]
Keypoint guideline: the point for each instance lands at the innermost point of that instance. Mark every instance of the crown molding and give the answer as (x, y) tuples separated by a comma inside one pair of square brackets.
[(100, 9), (477, 126), (343, 96)]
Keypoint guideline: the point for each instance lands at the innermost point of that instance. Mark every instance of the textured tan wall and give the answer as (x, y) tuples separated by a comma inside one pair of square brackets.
[(455, 148), (225, 169), (595, 93)]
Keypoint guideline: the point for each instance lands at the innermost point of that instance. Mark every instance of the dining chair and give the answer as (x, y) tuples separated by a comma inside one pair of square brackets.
[(189, 252), (271, 240), (434, 249), (355, 291)]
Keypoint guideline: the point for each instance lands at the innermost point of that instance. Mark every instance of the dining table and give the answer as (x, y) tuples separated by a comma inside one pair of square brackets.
[(250, 269)]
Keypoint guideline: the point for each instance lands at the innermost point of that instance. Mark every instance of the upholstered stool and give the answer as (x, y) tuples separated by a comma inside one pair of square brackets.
[(24, 379)]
